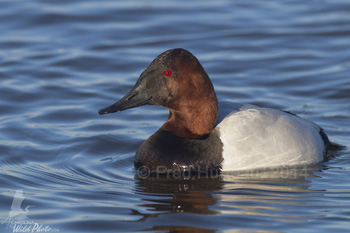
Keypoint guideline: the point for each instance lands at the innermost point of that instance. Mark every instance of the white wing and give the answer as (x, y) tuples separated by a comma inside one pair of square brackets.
[(255, 137)]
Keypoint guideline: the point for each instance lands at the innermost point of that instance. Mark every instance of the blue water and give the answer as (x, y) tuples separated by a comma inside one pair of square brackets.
[(61, 61)]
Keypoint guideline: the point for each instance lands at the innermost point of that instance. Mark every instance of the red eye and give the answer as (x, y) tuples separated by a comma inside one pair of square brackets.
[(167, 73)]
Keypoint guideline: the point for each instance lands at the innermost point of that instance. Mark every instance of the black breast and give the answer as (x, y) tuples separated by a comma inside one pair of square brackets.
[(165, 152)]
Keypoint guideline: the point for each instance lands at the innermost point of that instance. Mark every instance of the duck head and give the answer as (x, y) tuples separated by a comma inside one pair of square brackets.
[(177, 81)]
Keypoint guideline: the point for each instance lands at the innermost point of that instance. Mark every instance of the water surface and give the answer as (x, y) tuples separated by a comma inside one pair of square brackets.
[(61, 61)]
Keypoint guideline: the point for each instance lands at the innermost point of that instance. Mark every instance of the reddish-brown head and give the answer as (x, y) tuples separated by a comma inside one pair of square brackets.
[(177, 81)]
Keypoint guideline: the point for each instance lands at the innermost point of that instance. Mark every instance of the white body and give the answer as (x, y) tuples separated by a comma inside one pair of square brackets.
[(255, 138)]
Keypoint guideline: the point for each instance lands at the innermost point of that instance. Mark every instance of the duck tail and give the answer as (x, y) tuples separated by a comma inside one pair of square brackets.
[(330, 146), (335, 146)]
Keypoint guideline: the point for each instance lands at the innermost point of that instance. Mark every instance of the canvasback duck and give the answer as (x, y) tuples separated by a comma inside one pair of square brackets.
[(249, 137)]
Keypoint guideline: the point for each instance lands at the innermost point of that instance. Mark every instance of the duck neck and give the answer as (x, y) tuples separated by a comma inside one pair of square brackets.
[(193, 120)]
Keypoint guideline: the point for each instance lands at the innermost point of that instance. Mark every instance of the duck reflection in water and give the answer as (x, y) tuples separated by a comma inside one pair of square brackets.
[(231, 194)]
